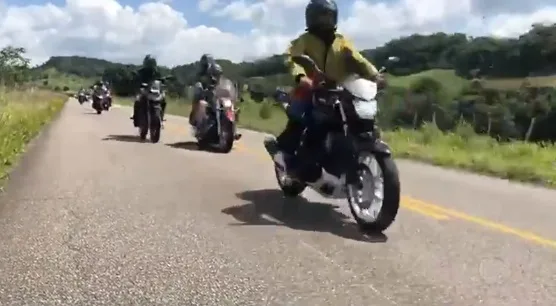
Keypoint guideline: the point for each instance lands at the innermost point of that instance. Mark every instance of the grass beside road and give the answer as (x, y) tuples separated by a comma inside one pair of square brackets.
[(22, 115), (462, 149)]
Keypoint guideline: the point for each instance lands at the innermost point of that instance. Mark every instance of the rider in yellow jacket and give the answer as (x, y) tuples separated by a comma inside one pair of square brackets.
[(334, 54)]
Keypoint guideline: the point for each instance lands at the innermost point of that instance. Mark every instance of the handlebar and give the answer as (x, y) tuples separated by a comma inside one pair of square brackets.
[(309, 65)]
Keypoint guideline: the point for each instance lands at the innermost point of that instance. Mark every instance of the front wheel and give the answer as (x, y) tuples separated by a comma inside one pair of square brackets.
[(156, 124), (226, 137), (375, 205), (143, 124)]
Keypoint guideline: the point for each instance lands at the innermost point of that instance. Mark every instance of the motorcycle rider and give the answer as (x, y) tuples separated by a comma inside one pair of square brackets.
[(146, 75), (209, 73), (334, 54)]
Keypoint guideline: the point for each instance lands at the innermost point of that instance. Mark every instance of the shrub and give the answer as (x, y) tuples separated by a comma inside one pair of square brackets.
[(265, 112)]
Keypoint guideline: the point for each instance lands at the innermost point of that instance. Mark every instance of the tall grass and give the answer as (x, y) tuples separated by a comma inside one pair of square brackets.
[(517, 160), (22, 115)]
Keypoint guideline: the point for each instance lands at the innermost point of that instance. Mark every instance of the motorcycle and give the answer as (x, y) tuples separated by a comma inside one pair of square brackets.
[(101, 101), (219, 128), (82, 98), (150, 116), (342, 156)]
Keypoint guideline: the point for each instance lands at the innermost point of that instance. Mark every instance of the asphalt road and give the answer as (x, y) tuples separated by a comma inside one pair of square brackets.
[(93, 217)]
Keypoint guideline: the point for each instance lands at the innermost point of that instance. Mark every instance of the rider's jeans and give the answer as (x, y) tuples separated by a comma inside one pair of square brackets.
[(197, 96), (299, 114), (300, 111)]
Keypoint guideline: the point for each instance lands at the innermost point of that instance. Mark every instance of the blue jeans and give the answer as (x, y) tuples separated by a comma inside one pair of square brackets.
[(299, 115), (300, 111)]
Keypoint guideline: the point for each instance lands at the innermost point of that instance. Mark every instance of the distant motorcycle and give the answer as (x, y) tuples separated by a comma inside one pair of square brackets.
[(82, 98), (219, 128), (149, 115), (101, 100)]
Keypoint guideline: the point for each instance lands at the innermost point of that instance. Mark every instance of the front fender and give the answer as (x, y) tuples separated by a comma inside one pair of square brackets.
[(381, 148), (376, 147)]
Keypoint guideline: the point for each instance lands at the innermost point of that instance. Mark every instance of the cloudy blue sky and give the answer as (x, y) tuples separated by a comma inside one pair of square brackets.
[(178, 32)]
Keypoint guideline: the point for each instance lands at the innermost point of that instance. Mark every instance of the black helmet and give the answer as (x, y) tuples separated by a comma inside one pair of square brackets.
[(149, 61), (321, 15), (206, 60), (214, 69)]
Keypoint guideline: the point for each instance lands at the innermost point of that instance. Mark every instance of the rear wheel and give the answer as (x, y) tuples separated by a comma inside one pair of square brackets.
[(376, 204)]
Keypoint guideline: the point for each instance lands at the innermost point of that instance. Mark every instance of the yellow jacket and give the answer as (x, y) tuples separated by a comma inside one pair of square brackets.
[(336, 66)]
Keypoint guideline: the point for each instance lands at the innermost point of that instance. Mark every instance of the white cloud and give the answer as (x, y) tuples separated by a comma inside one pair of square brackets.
[(110, 30), (514, 24), (206, 5)]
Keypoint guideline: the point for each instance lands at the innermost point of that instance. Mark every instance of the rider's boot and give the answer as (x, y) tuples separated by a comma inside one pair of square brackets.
[(200, 127), (274, 148), (287, 143), (134, 116)]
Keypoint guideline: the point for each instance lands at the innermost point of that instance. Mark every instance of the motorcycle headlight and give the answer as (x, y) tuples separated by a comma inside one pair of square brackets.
[(155, 97), (365, 109), (227, 103)]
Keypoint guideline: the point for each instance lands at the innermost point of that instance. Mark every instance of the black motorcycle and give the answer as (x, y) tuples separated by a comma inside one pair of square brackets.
[(341, 155), (101, 100), (150, 114), (219, 127), (82, 98)]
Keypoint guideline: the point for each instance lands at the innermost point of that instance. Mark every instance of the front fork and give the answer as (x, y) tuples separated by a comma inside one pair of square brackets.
[(230, 114), (349, 153)]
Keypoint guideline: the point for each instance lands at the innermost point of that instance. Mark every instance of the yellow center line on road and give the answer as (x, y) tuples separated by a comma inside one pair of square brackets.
[(430, 210), (526, 235)]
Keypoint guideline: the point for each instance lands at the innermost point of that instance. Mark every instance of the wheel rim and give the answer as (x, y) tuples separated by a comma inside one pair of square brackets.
[(367, 202)]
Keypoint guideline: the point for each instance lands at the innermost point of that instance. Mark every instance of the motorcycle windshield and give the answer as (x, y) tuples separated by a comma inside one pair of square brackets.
[(225, 89), (360, 88)]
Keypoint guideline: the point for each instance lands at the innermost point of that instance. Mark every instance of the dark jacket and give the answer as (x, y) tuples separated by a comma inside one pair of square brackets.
[(148, 75)]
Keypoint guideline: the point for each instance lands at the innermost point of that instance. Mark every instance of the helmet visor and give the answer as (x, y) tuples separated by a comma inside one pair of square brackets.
[(325, 19)]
